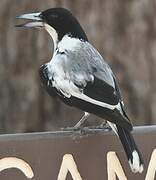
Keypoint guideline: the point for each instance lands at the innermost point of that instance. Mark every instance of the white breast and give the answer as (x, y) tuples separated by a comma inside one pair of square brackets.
[(59, 75)]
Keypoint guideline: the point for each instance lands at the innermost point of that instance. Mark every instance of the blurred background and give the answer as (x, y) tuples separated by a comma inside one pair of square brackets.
[(123, 31)]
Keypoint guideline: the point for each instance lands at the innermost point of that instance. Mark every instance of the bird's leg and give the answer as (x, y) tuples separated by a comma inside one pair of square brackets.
[(79, 124), (82, 120)]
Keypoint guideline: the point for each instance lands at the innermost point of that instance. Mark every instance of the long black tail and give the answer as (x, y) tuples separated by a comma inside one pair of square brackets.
[(134, 156)]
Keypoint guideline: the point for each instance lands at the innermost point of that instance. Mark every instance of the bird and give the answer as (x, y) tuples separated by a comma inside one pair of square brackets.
[(79, 75)]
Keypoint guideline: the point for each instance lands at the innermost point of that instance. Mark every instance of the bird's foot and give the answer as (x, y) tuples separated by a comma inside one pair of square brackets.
[(86, 130), (70, 129), (80, 130), (102, 126)]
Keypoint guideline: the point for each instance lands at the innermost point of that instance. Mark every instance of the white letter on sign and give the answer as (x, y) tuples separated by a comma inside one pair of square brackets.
[(13, 162), (151, 167), (114, 167), (68, 164)]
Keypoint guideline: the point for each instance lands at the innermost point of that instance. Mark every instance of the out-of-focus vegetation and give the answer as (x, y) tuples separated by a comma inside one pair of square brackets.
[(123, 31)]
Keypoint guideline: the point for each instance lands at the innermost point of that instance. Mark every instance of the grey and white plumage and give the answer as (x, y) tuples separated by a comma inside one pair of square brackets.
[(79, 75)]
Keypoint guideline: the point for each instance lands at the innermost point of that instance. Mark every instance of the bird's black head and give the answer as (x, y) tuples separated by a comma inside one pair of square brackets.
[(63, 22), (60, 19)]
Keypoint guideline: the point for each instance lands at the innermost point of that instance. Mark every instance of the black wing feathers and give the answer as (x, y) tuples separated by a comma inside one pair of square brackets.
[(98, 90), (113, 116), (101, 91)]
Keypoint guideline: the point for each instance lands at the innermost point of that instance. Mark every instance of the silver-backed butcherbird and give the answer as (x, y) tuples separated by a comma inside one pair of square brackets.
[(81, 77)]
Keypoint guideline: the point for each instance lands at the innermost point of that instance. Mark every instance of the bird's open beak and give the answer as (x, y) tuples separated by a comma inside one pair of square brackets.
[(34, 20)]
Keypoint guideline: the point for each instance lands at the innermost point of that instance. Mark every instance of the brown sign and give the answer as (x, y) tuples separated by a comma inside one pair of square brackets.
[(65, 155)]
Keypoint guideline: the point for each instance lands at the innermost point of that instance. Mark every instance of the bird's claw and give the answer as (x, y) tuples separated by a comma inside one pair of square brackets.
[(103, 126), (80, 130)]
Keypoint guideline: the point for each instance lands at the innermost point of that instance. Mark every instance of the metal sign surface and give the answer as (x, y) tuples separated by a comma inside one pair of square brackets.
[(67, 155)]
